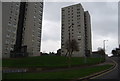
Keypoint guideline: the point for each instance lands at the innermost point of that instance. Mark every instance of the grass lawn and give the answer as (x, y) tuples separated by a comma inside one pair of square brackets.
[(67, 74), (47, 61)]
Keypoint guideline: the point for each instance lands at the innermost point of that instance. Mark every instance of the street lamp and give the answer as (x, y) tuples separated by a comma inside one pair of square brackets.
[(104, 41)]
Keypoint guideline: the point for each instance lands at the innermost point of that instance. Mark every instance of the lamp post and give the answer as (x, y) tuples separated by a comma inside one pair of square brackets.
[(104, 41)]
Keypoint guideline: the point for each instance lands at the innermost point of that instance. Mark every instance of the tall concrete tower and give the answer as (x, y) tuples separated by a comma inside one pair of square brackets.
[(76, 23), (119, 24), (22, 24), (88, 45)]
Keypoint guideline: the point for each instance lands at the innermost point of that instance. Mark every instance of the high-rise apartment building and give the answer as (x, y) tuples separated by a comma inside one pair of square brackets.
[(119, 24), (87, 25), (76, 25), (29, 26)]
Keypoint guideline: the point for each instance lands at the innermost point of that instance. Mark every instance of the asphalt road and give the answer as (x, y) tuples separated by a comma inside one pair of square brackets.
[(113, 75)]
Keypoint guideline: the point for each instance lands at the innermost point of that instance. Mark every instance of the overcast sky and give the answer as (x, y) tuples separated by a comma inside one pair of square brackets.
[(0, 30), (104, 23)]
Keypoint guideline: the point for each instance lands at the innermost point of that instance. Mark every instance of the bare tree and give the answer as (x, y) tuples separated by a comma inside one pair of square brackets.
[(71, 46), (101, 51), (114, 52), (67, 47)]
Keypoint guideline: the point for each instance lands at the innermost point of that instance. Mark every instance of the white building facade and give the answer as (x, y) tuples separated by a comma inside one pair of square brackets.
[(74, 14)]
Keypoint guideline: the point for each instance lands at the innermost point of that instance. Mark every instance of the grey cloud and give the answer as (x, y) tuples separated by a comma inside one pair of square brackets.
[(53, 10), (103, 19), (51, 31)]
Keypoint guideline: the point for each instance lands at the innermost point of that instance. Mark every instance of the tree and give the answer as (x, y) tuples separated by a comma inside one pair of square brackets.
[(101, 52), (58, 52), (114, 52), (74, 46), (71, 46)]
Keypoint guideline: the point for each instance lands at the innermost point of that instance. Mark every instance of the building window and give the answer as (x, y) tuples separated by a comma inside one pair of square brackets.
[(7, 42), (10, 18), (79, 39), (35, 7), (78, 12), (35, 4), (17, 4), (11, 6), (78, 18), (34, 17), (8, 35), (14, 19), (78, 15), (40, 6), (39, 19), (34, 24), (9, 23), (5, 53), (78, 25), (34, 11), (11, 11)]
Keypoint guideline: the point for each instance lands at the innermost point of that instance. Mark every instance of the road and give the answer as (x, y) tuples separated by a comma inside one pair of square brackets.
[(113, 75)]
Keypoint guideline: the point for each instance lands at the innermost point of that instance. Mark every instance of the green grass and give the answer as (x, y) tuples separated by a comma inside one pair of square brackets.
[(67, 74), (47, 61)]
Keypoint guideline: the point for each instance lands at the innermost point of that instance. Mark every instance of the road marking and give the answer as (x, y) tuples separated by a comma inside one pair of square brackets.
[(107, 71)]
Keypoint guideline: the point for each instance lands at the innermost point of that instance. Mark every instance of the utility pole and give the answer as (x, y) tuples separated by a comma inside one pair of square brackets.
[(104, 41)]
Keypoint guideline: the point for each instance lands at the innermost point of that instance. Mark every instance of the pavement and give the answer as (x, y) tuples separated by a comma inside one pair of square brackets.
[(112, 75)]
